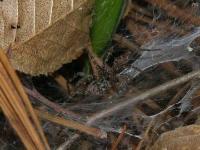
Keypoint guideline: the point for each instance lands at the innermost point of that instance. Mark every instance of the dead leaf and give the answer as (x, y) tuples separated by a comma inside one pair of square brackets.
[(43, 12), (182, 138), (63, 7), (9, 15), (26, 20), (1, 30), (60, 43)]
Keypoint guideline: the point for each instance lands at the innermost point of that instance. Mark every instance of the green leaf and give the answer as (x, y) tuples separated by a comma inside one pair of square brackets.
[(106, 17)]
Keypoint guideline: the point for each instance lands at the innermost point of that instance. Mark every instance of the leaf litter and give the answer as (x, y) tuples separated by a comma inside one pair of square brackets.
[(154, 112), (48, 50)]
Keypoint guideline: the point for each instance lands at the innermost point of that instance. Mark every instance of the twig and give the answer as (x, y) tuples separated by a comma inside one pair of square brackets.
[(154, 120), (72, 124), (143, 96), (179, 94), (62, 82), (96, 62), (68, 143), (126, 43), (141, 33), (170, 68), (172, 10), (149, 102), (116, 143), (141, 10), (146, 134), (34, 93), (194, 112)]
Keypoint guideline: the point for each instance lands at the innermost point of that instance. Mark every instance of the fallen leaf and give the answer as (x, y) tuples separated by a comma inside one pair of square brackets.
[(60, 43), (9, 15), (1, 30), (26, 20), (43, 13), (61, 8), (182, 138)]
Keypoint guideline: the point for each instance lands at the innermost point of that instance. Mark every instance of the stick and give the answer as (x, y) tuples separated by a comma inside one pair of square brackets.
[(143, 96)]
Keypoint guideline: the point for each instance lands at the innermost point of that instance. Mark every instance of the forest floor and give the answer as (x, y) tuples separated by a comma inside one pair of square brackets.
[(142, 91)]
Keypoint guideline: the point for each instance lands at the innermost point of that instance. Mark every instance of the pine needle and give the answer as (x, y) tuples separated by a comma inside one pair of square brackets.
[(18, 109)]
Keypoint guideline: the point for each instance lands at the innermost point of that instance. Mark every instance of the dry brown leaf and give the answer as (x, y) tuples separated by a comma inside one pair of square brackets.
[(60, 43), (1, 29), (43, 12), (77, 3), (180, 139), (26, 20), (61, 8), (9, 15)]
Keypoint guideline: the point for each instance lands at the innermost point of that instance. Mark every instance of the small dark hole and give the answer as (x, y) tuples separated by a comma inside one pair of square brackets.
[(14, 27)]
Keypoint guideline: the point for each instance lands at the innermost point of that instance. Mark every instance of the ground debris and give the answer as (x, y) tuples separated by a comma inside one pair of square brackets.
[(182, 138)]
